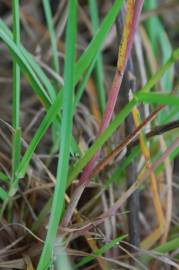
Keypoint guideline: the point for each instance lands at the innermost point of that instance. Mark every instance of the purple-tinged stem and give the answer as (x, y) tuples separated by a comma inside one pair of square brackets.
[(85, 177), (113, 94), (105, 122)]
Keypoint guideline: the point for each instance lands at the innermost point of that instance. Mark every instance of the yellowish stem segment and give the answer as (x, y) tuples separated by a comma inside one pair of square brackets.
[(149, 241)]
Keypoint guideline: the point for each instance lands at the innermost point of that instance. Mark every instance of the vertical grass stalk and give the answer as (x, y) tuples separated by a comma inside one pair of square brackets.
[(66, 135), (16, 92), (48, 15), (99, 65)]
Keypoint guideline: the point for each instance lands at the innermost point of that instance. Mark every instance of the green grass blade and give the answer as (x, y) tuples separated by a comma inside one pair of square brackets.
[(159, 38), (26, 68), (48, 15), (16, 151), (100, 251), (96, 43), (16, 69), (83, 82), (48, 119), (158, 98), (99, 76), (167, 80), (169, 246), (162, 71), (66, 131), (40, 74), (34, 65), (16, 138), (151, 24)]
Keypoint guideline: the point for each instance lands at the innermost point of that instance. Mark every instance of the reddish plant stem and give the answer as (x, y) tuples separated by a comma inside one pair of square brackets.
[(84, 179), (131, 22), (137, 13), (113, 94)]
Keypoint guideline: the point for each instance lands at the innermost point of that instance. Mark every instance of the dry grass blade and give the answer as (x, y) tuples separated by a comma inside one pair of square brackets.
[(151, 239), (139, 181), (167, 203)]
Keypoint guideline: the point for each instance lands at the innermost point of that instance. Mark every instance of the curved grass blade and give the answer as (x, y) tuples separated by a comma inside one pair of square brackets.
[(34, 65), (26, 69)]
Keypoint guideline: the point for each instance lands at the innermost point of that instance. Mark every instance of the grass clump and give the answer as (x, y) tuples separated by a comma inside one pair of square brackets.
[(69, 141)]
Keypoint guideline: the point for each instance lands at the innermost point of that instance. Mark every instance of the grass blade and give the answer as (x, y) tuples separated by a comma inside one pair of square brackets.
[(98, 40), (26, 69), (100, 251), (16, 140), (99, 65), (157, 98), (52, 33), (167, 247), (34, 65), (66, 131)]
